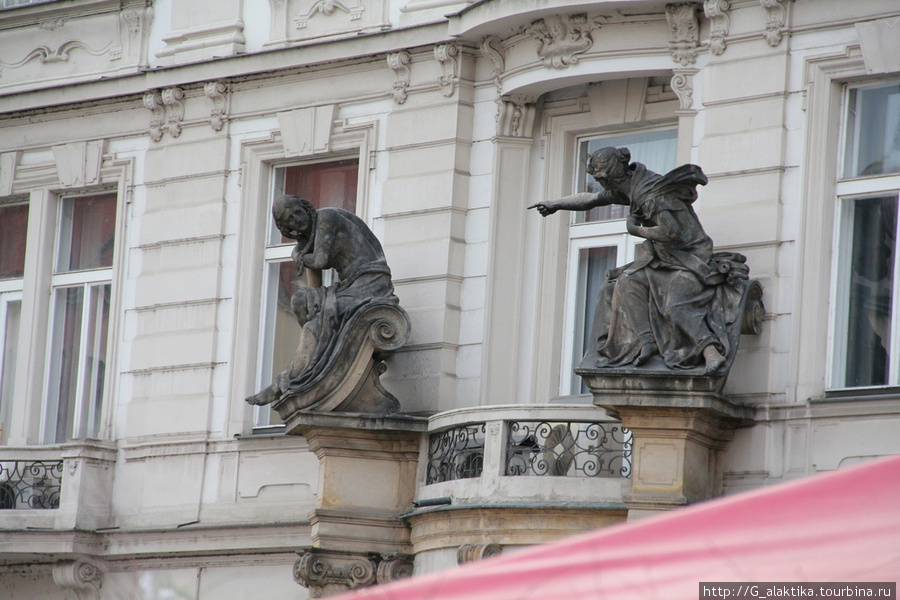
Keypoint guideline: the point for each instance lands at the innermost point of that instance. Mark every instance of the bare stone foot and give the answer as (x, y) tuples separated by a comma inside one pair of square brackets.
[(714, 360), (647, 351), (266, 396)]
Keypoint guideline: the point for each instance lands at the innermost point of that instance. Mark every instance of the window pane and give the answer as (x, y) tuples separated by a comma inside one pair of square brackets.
[(13, 226), (65, 358), (656, 149), (87, 233), (592, 266), (870, 291), (96, 330), (323, 184), (10, 333), (873, 131), (282, 331)]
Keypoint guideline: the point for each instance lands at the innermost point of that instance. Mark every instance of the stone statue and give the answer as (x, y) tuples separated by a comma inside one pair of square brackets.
[(678, 301), (347, 327)]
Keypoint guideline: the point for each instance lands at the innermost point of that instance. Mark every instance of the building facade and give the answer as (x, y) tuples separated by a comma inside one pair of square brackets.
[(144, 292)]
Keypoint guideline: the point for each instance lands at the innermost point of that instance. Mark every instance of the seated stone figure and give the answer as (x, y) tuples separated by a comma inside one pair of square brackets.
[(677, 300), (336, 320)]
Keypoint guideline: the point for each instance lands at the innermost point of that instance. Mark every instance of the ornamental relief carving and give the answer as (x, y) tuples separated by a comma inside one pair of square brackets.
[(562, 38), (719, 26), (297, 20), (684, 30)]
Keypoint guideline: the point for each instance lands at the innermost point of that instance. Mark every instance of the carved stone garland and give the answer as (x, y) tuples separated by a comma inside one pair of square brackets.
[(561, 38), (399, 63), (448, 56), (685, 32), (720, 24), (327, 7)]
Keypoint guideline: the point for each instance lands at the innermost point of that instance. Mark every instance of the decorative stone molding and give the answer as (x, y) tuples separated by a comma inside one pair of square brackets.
[(492, 49), (307, 131), (399, 63), (516, 116), (83, 576), (472, 552), (172, 99), (329, 572), (775, 18), (683, 86), (327, 7), (215, 91), (561, 38), (392, 568), (9, 162), (47, 55), (153, 103), (720, 24), (685, 32), (448, 56), (78, 163)]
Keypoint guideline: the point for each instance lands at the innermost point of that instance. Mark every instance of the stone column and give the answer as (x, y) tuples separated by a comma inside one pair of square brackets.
[(367, 479)]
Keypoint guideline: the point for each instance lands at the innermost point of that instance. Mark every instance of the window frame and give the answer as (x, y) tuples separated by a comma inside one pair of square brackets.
[(36, 177), (847, 190)]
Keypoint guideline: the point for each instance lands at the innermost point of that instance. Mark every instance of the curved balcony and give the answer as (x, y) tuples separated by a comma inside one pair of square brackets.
[(487, 472)]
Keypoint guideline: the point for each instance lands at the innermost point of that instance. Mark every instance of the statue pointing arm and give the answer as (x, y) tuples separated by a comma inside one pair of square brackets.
[(606, 177)]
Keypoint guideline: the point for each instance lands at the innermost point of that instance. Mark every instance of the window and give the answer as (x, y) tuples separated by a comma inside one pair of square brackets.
[(7, 4), (79, 320), (865, 324), (598, 240), (13, 227), (324, 184)]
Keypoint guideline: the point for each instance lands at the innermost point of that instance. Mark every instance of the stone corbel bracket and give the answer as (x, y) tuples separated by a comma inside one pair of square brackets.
[(493, 50), (327, 7), (720, 24), (448, 56), (166, 112), (216, 92), (561, 38), (83, 576), (516, 116), (683, 85), (399, 63), (172, 99), (776, 15), (153, 103), (685, 32)]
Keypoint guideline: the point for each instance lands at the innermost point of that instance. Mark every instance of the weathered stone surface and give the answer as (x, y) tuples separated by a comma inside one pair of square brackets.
[(349, 327)]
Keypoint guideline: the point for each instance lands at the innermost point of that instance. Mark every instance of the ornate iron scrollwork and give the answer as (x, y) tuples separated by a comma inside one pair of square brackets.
[(30, 484), (574, 449), (457, 453)]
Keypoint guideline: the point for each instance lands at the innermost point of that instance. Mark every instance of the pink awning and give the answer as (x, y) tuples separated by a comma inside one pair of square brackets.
[(833, 527)]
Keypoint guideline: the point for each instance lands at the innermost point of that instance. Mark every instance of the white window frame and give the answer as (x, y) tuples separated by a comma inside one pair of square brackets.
[(85, 279)]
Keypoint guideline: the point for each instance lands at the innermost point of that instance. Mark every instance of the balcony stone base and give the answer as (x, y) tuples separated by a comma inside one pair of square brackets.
[(681, 426), (367, 480)]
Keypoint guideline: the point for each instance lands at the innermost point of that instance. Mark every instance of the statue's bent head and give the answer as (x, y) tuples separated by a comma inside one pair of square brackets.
[(293, 216)]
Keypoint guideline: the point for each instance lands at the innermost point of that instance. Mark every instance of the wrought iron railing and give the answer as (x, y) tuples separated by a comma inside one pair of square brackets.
[(456, 453), (30, 483), (577, 449)]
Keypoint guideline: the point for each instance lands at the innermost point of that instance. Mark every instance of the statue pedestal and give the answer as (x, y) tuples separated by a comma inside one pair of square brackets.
[(680, 424), (367, 479)]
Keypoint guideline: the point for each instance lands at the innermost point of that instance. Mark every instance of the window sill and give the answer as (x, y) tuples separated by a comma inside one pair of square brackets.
[(850, 394)]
